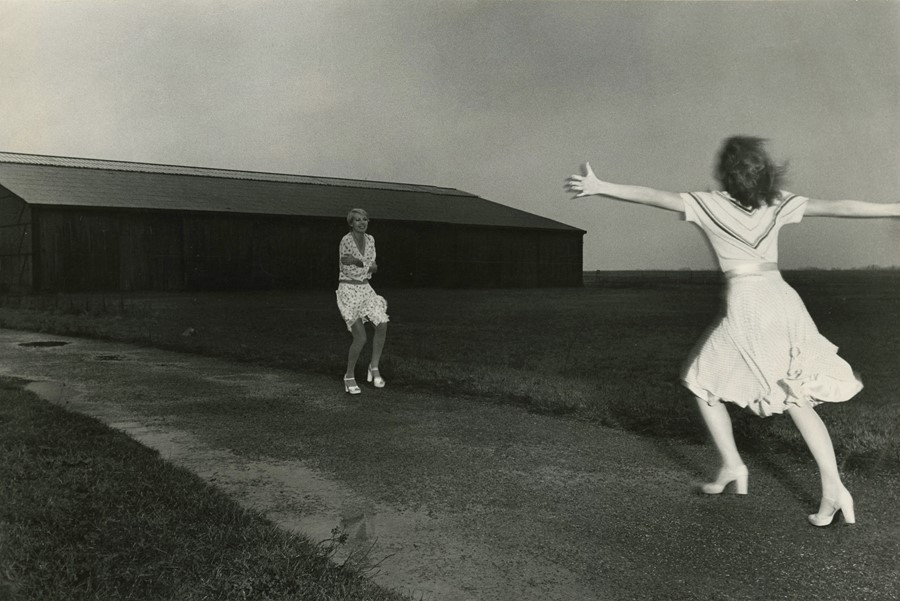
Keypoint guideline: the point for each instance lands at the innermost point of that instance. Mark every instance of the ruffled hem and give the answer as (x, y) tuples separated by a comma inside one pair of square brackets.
[(810, 391), (375, 321), (357, 302)]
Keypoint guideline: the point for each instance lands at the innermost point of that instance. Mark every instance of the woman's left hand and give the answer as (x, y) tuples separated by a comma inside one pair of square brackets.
[(373, 267)]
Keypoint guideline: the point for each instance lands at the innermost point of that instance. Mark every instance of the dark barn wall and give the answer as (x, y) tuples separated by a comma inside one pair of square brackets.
[(261, 251), (94, 250), (15, 243), (453, 256), (76, 250)]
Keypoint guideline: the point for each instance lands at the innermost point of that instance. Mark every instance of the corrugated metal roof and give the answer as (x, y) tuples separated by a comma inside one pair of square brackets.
[(78, 182)]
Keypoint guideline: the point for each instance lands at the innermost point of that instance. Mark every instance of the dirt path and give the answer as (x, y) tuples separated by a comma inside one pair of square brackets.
[(461, 500)]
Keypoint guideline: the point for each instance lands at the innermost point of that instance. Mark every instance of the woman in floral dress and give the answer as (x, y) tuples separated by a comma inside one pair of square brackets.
[(357, 301)]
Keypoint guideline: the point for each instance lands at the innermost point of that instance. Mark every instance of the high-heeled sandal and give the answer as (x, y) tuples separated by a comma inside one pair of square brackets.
[(351, 386), (374, 376), (828, 508), (738, 475)]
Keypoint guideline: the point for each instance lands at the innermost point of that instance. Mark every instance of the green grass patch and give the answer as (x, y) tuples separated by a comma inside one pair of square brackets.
[(88, 513)]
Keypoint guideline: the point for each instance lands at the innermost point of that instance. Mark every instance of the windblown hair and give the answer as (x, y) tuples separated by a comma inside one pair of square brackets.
[(355, 212), (747, 173)]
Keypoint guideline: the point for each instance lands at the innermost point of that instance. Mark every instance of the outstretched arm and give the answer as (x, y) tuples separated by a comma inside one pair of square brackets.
[(589, 185), (851, 208)]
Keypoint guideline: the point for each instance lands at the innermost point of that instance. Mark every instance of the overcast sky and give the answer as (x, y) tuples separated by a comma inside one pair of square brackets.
[(500, 99)]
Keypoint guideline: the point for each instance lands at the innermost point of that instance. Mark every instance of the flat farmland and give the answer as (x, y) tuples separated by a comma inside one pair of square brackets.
[(609, 352), (483, 470)]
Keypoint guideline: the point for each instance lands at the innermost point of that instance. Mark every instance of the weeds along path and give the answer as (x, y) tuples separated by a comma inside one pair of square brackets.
[(448, 498)]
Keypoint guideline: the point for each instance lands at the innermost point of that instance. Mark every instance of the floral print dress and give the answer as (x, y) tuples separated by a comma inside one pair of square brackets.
[(356, 299)]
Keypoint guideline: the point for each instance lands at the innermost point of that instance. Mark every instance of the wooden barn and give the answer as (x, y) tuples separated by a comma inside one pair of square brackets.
[(77, 225)]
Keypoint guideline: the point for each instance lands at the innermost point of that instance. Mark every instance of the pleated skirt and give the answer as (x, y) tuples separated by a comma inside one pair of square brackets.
[(765, 353)]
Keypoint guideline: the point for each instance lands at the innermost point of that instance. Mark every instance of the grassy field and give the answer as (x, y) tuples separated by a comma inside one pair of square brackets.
[(88, 513), (608, 353)]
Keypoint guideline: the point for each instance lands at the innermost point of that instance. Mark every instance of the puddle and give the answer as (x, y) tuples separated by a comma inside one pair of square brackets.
[(44, 343)]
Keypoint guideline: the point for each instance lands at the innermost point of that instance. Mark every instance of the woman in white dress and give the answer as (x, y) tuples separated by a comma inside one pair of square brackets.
[(357, 301), (766, 353)]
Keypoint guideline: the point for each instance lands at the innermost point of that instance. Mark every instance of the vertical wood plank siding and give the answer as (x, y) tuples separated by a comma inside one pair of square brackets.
[(135, 250)]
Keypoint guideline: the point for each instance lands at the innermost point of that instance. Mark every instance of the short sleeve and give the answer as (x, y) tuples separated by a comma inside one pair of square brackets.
[(792, 208), (345, 246), (690, 207)]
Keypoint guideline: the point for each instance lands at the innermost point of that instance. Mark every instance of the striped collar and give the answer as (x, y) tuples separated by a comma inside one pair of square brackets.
[(729, 231), (734, 202)]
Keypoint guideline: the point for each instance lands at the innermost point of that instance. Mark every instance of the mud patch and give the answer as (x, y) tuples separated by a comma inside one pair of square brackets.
[(245, 378), (43, 343), (109, 358), (53, 392)]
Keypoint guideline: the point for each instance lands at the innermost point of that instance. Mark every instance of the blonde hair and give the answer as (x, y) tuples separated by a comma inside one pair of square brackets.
[(358, 212)]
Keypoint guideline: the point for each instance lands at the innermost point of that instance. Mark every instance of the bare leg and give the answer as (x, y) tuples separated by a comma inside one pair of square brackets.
[(359, 340), (814, 432), (835, 495), (718, 422), (378, 344)]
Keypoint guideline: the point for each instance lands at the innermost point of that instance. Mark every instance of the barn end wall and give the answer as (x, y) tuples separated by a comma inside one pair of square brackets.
[(15, 243)]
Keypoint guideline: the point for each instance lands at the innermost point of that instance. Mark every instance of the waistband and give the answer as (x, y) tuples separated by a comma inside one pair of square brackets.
[(353, 282), (750, 269)]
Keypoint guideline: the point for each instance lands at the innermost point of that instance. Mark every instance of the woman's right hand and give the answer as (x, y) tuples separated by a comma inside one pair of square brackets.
[(589, 185), (585, 185)]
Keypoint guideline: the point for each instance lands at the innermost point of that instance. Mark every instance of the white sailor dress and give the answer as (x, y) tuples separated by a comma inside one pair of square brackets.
[(765, 352)]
